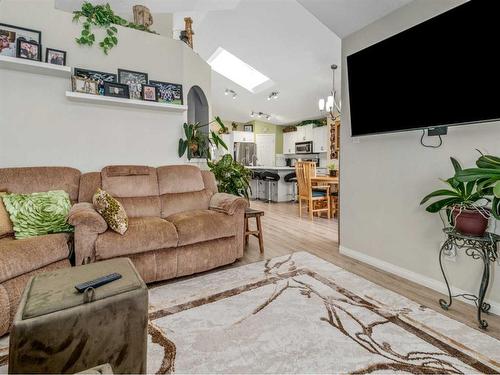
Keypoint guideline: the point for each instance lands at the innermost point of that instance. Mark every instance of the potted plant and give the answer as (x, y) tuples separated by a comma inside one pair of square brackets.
[(232, 177), (331, 170), (464, 204), (197, 143), (487, 178)]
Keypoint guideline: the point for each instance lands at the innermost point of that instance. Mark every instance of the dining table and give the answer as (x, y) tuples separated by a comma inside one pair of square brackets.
[(325, 179)]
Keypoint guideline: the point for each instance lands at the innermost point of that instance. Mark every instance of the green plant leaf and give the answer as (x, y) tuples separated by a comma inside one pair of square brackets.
[(496, 189), (439, 193), (456, 165), (473, 174), (439, 205), (182, 147)]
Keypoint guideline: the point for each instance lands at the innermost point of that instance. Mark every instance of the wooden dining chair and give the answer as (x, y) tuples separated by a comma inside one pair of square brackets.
[(305, 170)]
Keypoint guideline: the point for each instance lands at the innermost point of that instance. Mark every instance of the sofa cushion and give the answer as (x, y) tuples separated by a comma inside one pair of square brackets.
[(18, 257), (35, 179), (5, 223), (143, 234), (202, 225), (111, 210), (179, 179), (130, 181), (180, 202)]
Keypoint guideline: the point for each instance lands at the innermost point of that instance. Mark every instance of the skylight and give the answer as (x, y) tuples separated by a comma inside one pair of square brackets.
[(238, 71)]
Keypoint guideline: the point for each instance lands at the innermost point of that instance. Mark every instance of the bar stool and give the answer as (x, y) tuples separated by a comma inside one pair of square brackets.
[(292, 178), (271, 179), (257, 177)]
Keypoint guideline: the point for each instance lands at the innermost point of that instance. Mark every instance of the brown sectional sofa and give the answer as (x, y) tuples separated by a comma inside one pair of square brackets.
[(178, 225)]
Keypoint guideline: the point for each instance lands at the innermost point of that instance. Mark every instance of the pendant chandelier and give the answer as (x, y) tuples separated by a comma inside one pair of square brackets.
[(331, 105)]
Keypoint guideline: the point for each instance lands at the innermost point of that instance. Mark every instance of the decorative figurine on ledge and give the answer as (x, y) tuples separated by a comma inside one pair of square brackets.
[(142, 16), (187, 33)]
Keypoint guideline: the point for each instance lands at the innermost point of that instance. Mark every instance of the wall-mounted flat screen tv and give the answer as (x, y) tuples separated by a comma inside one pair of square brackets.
[(444, 71)]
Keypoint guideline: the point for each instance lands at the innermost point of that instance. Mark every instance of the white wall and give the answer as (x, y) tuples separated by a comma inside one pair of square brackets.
[(39, 126), (384, 177)]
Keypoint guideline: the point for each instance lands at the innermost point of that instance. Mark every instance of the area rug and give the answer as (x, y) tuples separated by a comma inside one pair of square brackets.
[(300, 314)]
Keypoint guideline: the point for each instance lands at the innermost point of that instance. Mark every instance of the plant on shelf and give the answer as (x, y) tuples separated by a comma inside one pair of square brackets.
[(104, 17), (487, 178), (232, 177), (464, 203), (197, 143), (332, 169)]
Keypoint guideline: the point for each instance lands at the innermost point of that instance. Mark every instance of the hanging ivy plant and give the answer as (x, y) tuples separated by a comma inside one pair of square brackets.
[(104, 17)]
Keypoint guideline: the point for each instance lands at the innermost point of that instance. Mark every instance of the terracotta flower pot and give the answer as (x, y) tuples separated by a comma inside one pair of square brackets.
[(469, 222)]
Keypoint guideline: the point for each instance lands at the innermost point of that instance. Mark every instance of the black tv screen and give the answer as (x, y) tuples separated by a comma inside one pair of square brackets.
[(445, 71)]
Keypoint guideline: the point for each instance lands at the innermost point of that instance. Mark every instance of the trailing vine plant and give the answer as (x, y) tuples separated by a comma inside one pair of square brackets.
[(104, 17)]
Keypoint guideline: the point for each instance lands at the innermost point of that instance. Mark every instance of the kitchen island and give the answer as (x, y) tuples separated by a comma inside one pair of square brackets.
[(281, 191)]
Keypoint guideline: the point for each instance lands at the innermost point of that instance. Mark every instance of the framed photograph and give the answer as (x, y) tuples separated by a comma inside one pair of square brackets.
[(134, 80), (9, 35), (55, 56), (28, 50), (84, 85), (168, 92), (149, 93), (116, 90), (248, 128), (99, 77)]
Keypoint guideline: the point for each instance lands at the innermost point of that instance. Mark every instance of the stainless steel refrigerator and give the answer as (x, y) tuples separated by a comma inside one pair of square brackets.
[(245, 153)]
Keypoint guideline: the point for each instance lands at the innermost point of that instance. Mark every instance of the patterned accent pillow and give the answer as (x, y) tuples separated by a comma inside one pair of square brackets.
[(111, 210), (37, 214), (5, 223)]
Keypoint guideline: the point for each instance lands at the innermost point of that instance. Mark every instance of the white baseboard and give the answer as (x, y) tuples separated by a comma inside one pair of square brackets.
[(428, 282)]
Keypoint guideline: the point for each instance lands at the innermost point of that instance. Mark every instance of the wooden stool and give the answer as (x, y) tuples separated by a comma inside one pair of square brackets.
[(249, 213)]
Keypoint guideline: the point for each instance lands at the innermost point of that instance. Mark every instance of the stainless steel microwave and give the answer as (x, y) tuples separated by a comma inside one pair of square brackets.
[(304, 147)]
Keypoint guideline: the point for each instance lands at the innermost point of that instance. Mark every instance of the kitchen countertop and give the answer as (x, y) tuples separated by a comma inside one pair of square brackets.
[(272, 168)]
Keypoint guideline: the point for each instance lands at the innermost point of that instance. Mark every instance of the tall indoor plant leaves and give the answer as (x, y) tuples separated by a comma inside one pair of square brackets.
[(232, 177), (197, 143)]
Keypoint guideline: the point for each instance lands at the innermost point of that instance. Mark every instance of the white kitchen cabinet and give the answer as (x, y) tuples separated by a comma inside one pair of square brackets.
[(228, 140), (304, 133), (320, 139), (239, 136), (289, 142)]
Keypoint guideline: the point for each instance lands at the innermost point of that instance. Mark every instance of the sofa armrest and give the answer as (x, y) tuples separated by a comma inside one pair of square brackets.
[(84, 215), (227, 203)]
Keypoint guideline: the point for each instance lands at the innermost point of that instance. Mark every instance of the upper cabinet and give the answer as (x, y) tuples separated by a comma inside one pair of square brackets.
[(239, 136), (289, 140), (320, 139), (304, 133)]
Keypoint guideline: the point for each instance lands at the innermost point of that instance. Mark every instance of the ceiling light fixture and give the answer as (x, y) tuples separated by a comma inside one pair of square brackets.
[(331, 105), (260, 115), (273, 95), (231, 92), (238, 71)]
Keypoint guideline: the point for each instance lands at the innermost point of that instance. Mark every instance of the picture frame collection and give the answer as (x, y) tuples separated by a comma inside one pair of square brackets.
[(126, 84), (24, 43)]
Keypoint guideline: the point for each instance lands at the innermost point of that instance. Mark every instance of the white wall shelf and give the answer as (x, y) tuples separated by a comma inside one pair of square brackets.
[(120, 102), (36, 67)]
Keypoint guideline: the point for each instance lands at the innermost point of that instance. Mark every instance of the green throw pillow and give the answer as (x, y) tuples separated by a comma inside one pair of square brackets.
[(38, 213)]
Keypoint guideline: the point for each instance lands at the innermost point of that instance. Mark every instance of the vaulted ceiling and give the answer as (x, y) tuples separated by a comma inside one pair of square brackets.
[(293, 42)]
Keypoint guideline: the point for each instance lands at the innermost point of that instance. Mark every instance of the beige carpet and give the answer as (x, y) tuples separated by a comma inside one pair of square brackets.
[(300, 314)]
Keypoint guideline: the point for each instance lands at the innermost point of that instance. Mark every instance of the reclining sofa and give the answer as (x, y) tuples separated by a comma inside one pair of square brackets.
[(178, 225)]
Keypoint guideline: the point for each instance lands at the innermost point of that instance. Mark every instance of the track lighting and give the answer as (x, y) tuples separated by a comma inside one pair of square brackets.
[(231, 92), (260, 115), (273, 95)]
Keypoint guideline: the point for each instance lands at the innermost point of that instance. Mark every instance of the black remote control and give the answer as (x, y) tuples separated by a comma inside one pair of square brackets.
[(98, 282)]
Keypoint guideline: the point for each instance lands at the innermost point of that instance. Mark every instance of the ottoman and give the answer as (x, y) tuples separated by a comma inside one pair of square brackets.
[(58, 330)]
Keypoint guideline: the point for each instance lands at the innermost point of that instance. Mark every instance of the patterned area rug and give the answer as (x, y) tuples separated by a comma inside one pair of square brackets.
[(300, 314)]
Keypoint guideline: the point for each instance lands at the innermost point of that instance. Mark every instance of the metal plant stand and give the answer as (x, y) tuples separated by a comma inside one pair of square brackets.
[(484, 248)]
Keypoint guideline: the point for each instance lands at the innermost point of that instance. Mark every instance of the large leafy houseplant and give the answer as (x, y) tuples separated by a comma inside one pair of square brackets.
[(104, 17), (487, 178), (463, 202), (232, 177), (197, 143)]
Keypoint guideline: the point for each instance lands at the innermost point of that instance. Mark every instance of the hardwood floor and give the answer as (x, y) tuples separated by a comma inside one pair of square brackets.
[(285, 232)]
